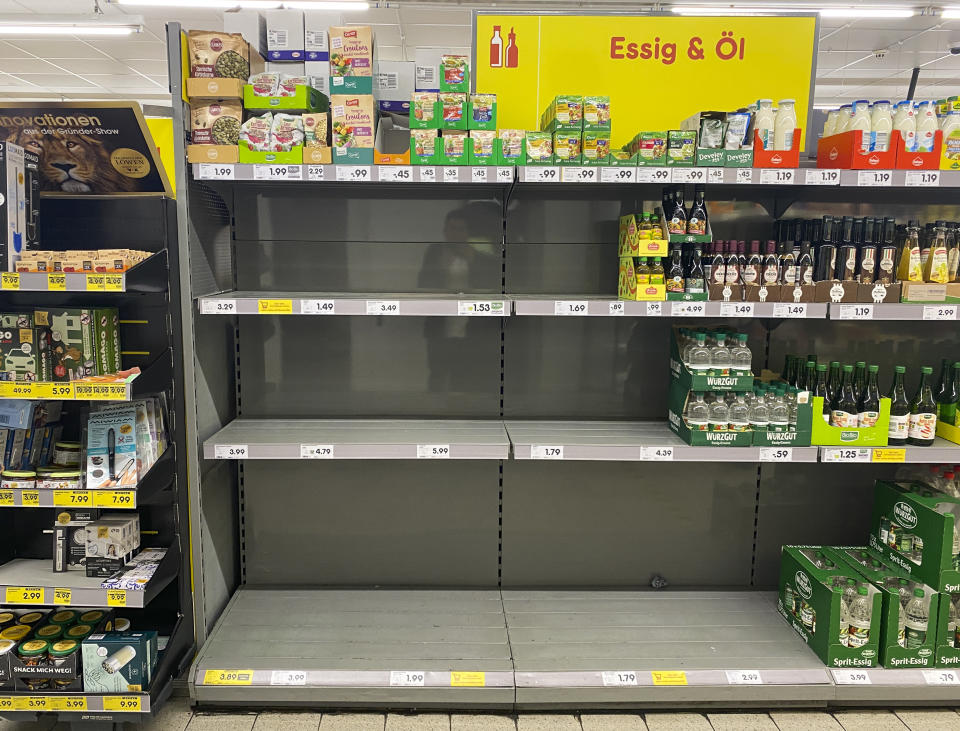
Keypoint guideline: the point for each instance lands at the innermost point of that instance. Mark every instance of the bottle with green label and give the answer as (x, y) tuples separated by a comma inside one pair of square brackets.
[(820, 389), (923, 412), (899, 410), (917, 620)]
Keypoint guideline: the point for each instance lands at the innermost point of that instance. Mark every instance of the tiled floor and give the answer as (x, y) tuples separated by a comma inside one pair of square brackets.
[(177, 716)]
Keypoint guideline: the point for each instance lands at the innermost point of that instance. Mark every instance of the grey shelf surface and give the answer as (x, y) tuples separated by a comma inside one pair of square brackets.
[(359, 439), (609, 306), (909, 684), (321, 303), (359, 647), (941, 452), (893, 311), (624, 441)]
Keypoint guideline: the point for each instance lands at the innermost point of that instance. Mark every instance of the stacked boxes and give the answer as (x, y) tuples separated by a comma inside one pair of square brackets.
[(354, 111), (580, 129), (110, 543)]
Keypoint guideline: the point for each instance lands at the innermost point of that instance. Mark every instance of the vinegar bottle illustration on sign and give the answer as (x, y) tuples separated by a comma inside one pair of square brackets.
[(496, 49), (512, 58)]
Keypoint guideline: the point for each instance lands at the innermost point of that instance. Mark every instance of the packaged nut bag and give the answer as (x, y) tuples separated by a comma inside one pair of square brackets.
[(214, 54), (256, 132), (216, 123), (315, 129)]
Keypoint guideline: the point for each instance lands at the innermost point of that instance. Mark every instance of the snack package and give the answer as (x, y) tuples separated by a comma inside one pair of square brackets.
[(215, 123), (454, 69), (315, 129), (422, 108), (289, 83), (711, 133), (452, 105), (481, 108), (286, 132), (214, 54), (511, 143), (738, 131), (539, 145), (265, 84), (256, 132), (453, 142), (483, 142), (424, 142), (351, 50)]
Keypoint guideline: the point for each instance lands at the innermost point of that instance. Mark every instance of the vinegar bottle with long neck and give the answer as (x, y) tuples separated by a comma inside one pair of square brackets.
[(909, 269)]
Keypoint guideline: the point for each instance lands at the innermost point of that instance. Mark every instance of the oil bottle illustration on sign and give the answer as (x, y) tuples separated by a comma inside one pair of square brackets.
[(501, 57)]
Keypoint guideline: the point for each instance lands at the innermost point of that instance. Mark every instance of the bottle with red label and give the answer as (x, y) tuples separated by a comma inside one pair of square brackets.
[(923, 413)]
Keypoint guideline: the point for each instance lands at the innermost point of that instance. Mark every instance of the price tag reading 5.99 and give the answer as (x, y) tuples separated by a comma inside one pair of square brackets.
[(433, 451)]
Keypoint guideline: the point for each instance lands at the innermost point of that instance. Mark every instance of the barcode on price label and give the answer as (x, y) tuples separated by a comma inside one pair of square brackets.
[(407, 678), (854, 312), (277, 172), (570, 307), (395, 173), (744, 677), (939, 312), (433, 451), (578, 175), (618, 678), (535, 174), (539, 451), (736, 309), (776, 454), (230, 451), (851, 677), (656, 454)]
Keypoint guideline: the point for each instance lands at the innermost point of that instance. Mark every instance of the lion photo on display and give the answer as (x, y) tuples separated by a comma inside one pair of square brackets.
[(72, 163)]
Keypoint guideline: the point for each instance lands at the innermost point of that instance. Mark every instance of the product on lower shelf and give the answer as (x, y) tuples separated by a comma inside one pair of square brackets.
[(118, 662)]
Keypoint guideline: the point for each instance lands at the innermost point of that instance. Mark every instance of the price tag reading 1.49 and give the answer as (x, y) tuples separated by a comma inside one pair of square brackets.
[(736, 309), (785, 309)]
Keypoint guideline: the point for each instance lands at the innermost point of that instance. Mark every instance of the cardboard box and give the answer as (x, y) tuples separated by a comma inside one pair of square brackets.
[(596, 113), (566, 148), (119, 662), (798, 293), (215, 122), (539, 148), (833, 290), (845, 151), (484, 147), (222, 55), (293, 156), (111, 542), (305, 99), (62, 676), (424, 146), (19, 204), (874, 436), (632, 244), (703, 381), (595, 147), (932, 293), (285, 40), (353, 124), (251, 25), (947, 654), (811, 604), (393, 85), (513, 146), (316, 34), (215, 88), (650, 148), (352, 59), (318, 72), (112, 449), (630, 289), (225, 154), (878, 292), (72, 342), (681, 148), (454, 148), (19, 356)]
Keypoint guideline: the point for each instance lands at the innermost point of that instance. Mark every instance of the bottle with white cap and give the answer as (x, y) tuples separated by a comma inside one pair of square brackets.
[(860, 120), (927, 126), (785, 122), (881, 124), (905, 122)]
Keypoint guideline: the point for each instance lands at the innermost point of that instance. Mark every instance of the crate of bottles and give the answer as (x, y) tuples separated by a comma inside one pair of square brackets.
[(642, 234), (843, 634), (914, 528), (641, 279), (827, 430), (710, 360), (908, 625)]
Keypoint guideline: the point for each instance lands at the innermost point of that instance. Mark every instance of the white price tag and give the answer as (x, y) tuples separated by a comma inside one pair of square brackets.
[(776, 454), (288, 677), (845, 676), (736, 309), (618, 175), (788, 309), (776, 176), (354, 173), (656, 454), (505, 175), (616, 309), (316, 451), (485, 308), (428, 174), (451, 175), (823, 176), (654, 309), (277, 172), (941, 677), (854, 312), (744, 677), (433, 451), (538, 451), (688, 175), (383, 307), (209, 171), (653, 175), (570, 307), (318, 307), (218, 307), (939, 312), (315, 173), (478, 174), (847, 454), (744, 176), (578, 175), (875, 178), (230, 451), (618, 678), (688, 309), (715, 175), (407, 678), (922, 178), (537, 174), (395, 173)]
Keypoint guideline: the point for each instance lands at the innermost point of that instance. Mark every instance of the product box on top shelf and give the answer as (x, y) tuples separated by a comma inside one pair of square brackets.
[(949, 150), (833, 290), (391, 144), (482, 111), (316, 34), (845, 151), (566, 147), (285, 41), (453, 110), (812, 603), (797, 293), (763, 158), (213, 153), (353, 62), (908, 637), (916, 533), (918, 159), (353, 122), (835, 436), (454, 73), (46, 666), (650, 149), (425, 112), (930, 293), (220, 63), (539, 149), (622, 158), (745, 292), (293, 156), (634, 241), (705, 380), (19, 203), (251, 25), (630, 288), (595, 147)]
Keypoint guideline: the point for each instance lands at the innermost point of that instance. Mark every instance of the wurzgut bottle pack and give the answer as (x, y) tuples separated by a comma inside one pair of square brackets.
[(906, 641), (917, 533), (948, 639), (811, 602)]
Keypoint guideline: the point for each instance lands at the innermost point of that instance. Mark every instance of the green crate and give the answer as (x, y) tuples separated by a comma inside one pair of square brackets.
[(293, 156), (306, 99), (488, 124)]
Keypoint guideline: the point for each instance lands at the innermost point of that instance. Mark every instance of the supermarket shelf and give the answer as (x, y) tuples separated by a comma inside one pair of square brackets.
[(629, 441), (880, 686), (358, 439), (401, 174), (941, 452), (627, 648), (357, 648), (24, 706), (81, 390), (601, 306), (142, 278), (22, 579), (314, 303), (893, 311)]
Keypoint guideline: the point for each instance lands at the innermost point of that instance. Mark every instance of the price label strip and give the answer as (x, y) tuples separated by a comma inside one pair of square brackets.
[(56, 282), (63, 596), (433, 451), (68, 703), (24, 595), (616, 309), (354, 173), (565, 308), (854, 312), (788, 310), (228, 677), (428, 175), (889, 455), (10, 281), (744, 176), (618, 678), (618, 175), (407, 678), (210, 171), (653, 175), (315, 173), (777, 176), (875, 178), (744, 677), (539, 451), (668, 677), (277, 172), (941, 677), (776, 454), (383, 307), (72, 498), (844, 676), (505, 174), (536, 174), (116, 597), (848, 454), (736, 309), (123, 703), (114, 498), (6, 498), (578, 175), (218, 307), (481, 308), (922, 179), (275, 307), (451, 175), (715, 175), (656, 454), (318, 307), (688, 309), (395, 173), (689, 175), (230, 451), (478, 175)]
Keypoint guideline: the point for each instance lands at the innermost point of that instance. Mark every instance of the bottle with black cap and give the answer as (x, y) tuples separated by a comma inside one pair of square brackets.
[(868, 251), (805, 264), (887, 266), (847, 257), (751, 271), (827, 251)]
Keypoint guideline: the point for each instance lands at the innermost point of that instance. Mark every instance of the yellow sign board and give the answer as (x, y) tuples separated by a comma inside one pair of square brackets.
[(657, 70)]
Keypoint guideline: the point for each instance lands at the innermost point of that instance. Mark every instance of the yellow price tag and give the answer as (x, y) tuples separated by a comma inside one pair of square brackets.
[(16, 389), (275, 307), (95, 282), (116, 597), (57, 282), (67, 703), (8, 703), (6, 389), (228, 677), (123, 703), (35, 703), (10, 280), (113, 282), (71, 498), (63, 596), (114, 498), (30, 498), (100, 391), (59, 391), (462, 679), (668, 677), (889, 455), (6, 498), (24, 595)]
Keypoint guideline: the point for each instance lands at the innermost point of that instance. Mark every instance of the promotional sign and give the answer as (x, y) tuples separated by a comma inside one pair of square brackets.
[(657, 70), (87, 148)]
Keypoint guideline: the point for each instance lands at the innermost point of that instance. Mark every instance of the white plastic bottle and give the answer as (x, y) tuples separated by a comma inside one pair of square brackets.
[(881, 124), (860, 120), (860, 614), (950, 126), (927, 126), (905, 122), (830, 126), (843, 118), (918, 619), (784, 124), (764, 121)]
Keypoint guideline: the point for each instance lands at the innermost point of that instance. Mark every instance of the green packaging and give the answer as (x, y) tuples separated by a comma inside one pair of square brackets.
[(874, 436), (596, 113), (454, 73), (72, 341), (482, 111), (454, 148), (453, 110), (424, 145), (425, 110), (948, 639), (484, 147), (566, 148), (512, 146), (564, 114), (650, 148), (539, 148), (681, 147)]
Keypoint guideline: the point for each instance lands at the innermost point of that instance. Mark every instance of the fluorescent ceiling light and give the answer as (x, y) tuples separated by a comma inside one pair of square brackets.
[(950, 12), (251, 4), (717, 10), (856, 12), (836, 11), (68, 26)]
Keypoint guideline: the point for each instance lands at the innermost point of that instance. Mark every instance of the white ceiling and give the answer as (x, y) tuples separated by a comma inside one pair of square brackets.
[(848, 66)]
